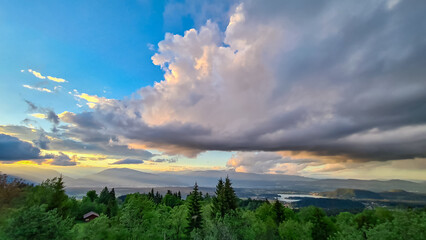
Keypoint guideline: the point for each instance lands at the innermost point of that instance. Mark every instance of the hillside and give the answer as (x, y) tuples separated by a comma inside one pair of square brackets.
[(129, 178), (392, 195)]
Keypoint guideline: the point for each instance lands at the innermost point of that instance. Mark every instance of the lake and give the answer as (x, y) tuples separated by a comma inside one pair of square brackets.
[(290, 197)]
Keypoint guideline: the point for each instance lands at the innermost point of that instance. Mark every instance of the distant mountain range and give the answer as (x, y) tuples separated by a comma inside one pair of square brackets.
[(394, 195), (129, 178)]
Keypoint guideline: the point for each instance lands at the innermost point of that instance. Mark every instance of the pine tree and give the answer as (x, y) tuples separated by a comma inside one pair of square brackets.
[(230, 197), (194, 210), (225, 200), (112, 207), (279, 212), (151, 194), (104, 196), (218, 208)]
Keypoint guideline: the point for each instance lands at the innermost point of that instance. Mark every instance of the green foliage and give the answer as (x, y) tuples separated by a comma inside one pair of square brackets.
[(322, 226), (225, 200), (37, 222), (172, 199), (294, 230), (91, 196), (194, 218), (11, 191), (230, 199), (250, 204), (136, 211), (99, 229), (279, 212), (46, 212), (51, 193)]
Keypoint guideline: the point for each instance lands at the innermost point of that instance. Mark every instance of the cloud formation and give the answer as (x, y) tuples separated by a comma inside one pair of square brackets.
[(333, 78), (55, 79), (40, 76), (64, 160), (36, 74), (268, 162), (129, 161), (46, 113), (13, 149), (42, 142), (41, 89)]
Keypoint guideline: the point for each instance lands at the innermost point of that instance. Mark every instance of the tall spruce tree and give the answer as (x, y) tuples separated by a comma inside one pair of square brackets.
[(194, 210), (218, 200), (230, 197), (225, 200), (112, 206), (104, 196), (279, 212)]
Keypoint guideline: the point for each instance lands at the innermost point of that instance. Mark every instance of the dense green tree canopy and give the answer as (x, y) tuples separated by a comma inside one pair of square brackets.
[(46, 212)]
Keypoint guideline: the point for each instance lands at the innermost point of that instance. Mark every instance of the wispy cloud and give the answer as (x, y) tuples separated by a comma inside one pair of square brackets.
[(39, 75), (41, 89)]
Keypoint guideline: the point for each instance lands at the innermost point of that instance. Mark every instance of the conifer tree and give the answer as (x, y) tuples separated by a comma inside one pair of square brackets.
[(194, 210), (104, 196), (151, 194), (112, 206), (225, 200), (218, 200), (229, 195), (279, 212)]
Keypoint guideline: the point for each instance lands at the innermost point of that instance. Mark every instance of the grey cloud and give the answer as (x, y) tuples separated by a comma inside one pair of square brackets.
[(161, 160), (265, 162), (63, 160), (51, 116), (13, 149), (334, 78), (31, 106), (42, 142), (129, 161), (67, 142)]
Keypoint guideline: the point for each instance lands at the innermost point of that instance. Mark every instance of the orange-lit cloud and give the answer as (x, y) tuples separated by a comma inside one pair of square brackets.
[(89, 98), (39, 115), (36, 74), (55, 79)]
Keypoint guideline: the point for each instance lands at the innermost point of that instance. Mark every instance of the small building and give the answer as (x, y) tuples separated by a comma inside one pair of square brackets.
[(90, 216)]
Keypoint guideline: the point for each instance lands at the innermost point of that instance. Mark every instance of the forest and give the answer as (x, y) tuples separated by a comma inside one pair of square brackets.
[(45, 211)]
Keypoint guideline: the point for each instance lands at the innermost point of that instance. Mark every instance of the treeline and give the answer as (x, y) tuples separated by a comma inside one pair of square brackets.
[(46, 212)]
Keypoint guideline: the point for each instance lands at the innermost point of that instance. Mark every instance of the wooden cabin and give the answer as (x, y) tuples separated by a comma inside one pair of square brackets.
[(90, 216)]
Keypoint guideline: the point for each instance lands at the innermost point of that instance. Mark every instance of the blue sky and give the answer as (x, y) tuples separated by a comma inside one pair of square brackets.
[(95, 46), (100, 48), (317, 89)]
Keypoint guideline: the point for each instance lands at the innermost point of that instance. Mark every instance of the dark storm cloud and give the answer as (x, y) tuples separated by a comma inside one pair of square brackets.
[(334, 78), (13, 149)]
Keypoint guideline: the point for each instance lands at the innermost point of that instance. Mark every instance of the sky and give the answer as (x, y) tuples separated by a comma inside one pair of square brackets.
[(326, 89)]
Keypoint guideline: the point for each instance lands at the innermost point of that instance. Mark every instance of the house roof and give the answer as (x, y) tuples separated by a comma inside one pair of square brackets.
[(90, 214)]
